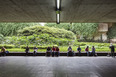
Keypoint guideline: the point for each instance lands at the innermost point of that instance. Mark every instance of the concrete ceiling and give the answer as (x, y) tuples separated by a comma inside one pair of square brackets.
[(44, 11)]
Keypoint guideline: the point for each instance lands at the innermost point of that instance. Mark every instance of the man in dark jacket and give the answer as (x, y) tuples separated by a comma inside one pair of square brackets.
[(112, 50)]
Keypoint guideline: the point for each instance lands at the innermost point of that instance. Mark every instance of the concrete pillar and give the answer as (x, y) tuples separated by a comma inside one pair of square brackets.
[(104, 36), (103, 27)]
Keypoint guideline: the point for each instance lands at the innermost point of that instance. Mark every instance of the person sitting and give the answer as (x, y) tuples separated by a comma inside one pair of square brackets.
[(93, 51), (70, 53), (48, 52), (79, 51), (3, 51), (27, 50), (69, 48), (35, 51), (87, 50), (57, 53), (53, 51), (7, 52)]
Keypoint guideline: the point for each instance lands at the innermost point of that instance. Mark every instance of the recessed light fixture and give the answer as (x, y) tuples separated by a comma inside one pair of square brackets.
[(58, 3), (58, 18)]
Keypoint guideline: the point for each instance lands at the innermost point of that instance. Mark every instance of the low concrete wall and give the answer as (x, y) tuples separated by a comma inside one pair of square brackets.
[(61, 54)]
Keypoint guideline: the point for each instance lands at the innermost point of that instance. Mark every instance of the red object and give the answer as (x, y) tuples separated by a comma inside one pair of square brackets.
[(86, 49), (57, 49), (53, 49)]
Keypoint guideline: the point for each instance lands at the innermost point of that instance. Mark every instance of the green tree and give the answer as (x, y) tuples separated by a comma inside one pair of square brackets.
[(1, 38), (84, 29), (9, 29), (112, 31)]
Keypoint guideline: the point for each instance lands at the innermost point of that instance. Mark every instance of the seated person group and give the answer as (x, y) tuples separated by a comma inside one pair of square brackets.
[(54, 51)]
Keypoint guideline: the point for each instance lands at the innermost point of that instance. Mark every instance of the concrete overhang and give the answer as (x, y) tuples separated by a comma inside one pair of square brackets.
[(44, 11)]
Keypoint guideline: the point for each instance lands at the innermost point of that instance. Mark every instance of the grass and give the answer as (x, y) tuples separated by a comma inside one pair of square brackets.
[(63, 49)]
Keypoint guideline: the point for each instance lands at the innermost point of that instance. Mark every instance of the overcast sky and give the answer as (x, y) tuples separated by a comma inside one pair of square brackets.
[(42, 24)]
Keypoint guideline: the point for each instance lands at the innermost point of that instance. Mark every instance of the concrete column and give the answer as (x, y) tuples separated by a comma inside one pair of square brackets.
[(104, 36)]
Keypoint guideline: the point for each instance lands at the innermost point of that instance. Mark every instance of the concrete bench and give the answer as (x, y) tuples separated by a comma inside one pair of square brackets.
[(61, 54)]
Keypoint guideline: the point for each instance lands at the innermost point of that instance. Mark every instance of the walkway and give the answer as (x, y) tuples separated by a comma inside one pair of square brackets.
[(57, 66)]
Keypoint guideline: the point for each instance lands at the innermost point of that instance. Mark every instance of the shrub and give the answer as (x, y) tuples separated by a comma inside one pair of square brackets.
[(10, 29), (92, 44), (31, 47), (53, 32), (42, 39), (7, 46), (112, 32)]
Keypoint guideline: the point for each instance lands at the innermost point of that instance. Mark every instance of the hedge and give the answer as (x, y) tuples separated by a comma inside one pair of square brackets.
[(7, 46), (92, 44), (31, 47)]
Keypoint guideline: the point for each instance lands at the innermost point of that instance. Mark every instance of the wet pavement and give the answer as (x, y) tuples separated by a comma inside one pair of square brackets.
[(57, 66)]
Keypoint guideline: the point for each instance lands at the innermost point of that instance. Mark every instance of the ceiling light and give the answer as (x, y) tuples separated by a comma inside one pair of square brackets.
[(58, 4), (58, 16), (58, 8)]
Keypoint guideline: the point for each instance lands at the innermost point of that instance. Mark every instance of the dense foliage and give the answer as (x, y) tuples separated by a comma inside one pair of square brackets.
[(1, 38), (43, 36), (52, 32), (9, 29), (112, 32), (7, 46), (39, 35), (83, 30), (33, 35), (35, 40), (66, 26)]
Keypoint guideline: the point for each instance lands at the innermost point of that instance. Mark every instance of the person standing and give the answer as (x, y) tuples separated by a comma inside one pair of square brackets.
[(79, 51), (93, 50), (112, 50)]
